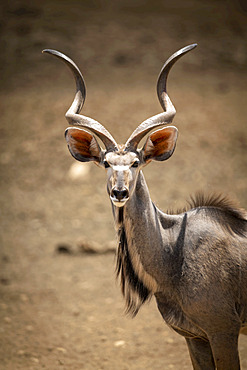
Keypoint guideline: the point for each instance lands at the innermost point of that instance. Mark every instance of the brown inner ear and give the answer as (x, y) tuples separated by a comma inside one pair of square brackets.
[(162, 141), (160, 144), (82, 145)]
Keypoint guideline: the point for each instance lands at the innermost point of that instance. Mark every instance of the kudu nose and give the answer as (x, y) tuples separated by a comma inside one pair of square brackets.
[(120, 194)]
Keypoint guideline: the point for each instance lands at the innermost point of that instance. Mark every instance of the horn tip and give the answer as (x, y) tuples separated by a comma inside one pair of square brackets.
[(187, 48), (51, 51), (193, 46)]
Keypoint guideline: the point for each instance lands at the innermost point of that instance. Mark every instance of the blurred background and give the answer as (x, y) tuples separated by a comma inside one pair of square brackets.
[(59, 307)]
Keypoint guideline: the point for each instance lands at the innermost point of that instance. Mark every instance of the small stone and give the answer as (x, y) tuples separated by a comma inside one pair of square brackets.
[(35, 359), (7, 320), (89, 247), (61, 349), (21, 352), (169, 340), (119, 343), (64, 249)]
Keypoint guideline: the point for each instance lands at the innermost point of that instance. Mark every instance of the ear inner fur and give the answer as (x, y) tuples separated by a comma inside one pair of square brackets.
[(161, 144), (82, 145)]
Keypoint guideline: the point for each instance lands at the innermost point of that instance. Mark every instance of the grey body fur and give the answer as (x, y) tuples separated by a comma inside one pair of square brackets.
[(199, 261)]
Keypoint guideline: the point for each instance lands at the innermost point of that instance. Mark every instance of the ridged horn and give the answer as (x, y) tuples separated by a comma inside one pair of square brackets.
[(169, 110), (72, 115)]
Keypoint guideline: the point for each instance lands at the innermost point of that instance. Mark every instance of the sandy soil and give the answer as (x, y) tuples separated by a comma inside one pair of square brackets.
[(61, 308)]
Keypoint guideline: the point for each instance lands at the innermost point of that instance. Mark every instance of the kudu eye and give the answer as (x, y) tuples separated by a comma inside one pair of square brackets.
[(135, 164), (106, 164)]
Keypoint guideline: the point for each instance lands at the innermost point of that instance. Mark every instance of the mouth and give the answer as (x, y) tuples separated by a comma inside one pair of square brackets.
[(119, 202)]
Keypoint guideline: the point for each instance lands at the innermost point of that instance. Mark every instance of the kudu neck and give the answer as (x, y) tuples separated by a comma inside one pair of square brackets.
[(144, 251), (141, 209), (138, 204)]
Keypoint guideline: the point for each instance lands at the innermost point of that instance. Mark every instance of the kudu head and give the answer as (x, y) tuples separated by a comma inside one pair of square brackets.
[(122, 162)]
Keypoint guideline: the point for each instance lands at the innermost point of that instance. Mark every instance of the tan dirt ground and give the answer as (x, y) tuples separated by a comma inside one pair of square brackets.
[(64, 310)]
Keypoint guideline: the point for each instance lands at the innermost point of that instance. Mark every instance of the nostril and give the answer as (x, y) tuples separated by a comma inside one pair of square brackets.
[(120, 194), (124, 193), (114, 193)]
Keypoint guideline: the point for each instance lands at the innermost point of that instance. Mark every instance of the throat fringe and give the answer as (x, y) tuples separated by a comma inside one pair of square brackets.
[(133, 289)]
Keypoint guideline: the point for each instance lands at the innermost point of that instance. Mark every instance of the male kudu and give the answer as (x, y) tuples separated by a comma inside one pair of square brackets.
[(195, 262)]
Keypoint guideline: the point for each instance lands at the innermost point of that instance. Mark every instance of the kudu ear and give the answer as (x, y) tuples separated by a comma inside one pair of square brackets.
[(160, 144), (82, 145)]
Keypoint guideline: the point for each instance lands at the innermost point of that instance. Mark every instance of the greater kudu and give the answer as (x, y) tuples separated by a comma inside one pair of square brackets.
[(195, 262)]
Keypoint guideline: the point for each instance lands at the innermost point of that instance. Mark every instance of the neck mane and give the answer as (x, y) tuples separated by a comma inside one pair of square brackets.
[(133, 288)]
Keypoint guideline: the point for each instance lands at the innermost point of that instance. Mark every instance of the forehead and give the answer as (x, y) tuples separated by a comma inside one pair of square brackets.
[(120, 158)]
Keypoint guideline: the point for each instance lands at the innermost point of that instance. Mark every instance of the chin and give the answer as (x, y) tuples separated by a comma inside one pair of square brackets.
[(119, 203)]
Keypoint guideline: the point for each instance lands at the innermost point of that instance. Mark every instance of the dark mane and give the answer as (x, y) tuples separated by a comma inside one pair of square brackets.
[(222, 210), (201, 199), (133, 289)]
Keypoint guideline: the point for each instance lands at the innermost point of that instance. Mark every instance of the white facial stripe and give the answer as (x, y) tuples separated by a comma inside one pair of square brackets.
[(120, 168)]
